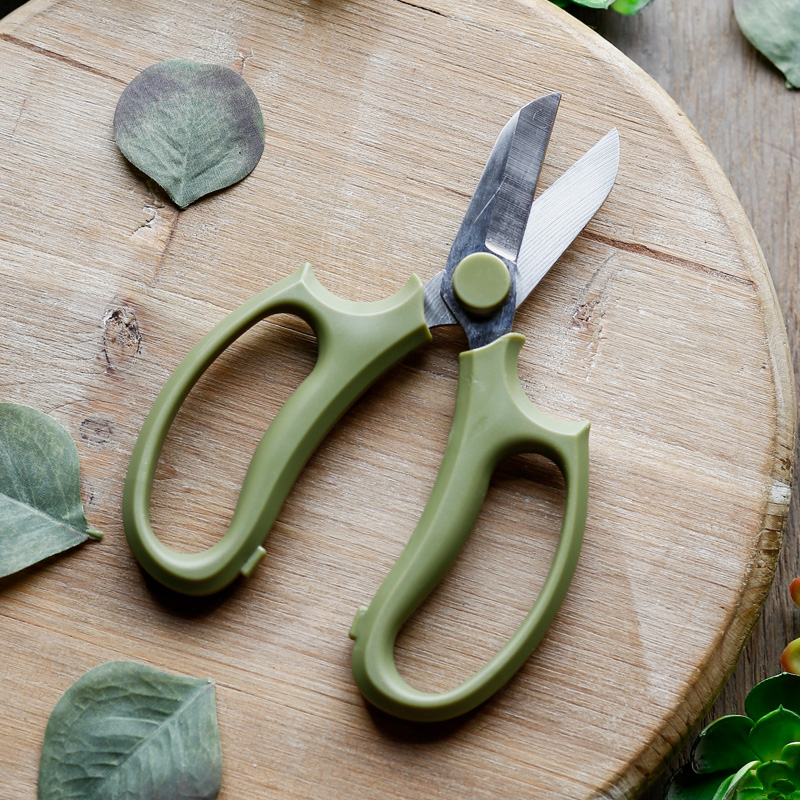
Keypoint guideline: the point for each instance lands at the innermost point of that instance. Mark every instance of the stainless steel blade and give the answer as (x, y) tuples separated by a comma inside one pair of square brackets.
[(563, 211), (523, 165), (471, 236), (436, 310)]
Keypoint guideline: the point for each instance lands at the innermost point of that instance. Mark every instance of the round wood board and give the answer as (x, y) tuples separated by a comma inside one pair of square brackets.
[(659, 325)]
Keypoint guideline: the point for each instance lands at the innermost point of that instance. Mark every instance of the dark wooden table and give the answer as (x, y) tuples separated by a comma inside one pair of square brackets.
[(739, 104)]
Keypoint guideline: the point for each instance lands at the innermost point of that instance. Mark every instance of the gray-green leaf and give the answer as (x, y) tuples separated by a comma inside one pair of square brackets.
[(125, 731), (773, 28), (193, 128), (41, 512)]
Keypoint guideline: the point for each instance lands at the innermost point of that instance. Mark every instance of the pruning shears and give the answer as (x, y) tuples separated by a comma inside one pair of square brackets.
[(504, 247)]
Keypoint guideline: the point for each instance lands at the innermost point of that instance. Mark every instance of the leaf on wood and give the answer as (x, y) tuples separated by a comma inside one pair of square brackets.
[(773, 28), (193, 128), (125, 730), (41, 512)]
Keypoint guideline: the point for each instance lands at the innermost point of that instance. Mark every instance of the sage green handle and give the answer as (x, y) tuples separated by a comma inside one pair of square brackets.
[(357, 342), (493, 420)]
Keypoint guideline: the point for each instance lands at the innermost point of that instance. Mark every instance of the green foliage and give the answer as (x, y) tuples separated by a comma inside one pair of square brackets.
[(630, 6), (125, 731), (41, 512), (621, 6), (753, 757), (773, 28), (724, 745), (193, 128)]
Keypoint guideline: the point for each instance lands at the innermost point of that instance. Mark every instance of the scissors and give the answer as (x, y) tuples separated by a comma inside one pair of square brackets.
[(504, 247)]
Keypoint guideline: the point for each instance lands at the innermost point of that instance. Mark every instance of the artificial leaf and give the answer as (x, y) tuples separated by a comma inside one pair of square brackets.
[(41, 512), (125, 730), (686, 784), (773, 28), (193, 128), (723, 745), (779, 690), (773, 732)]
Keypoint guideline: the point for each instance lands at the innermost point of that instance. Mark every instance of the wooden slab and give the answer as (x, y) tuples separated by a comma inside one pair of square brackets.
[(659, 325)]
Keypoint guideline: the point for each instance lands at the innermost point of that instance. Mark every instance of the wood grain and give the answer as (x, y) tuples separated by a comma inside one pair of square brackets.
[(751, 123), (660, 325)]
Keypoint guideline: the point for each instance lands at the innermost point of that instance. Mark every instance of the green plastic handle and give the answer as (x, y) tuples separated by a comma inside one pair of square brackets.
[(493, 419), (357, 342)]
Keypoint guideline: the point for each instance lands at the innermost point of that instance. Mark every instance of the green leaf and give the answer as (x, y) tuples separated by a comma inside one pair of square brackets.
[(791, 755), (594, 3), (773, 732), (723, 745), (779, 690), (773, 28), (775, 772), (193, 128), (41, 512), (744, 777), (125, 731), (621, 6), (686, 784), (629, 6)]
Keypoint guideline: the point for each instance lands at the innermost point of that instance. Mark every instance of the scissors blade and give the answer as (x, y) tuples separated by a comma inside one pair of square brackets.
[(563, 211), (512, 201), (530, 127)]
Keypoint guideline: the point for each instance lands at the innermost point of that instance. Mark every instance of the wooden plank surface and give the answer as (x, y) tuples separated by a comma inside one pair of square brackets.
[(751, 122), (660, 326)]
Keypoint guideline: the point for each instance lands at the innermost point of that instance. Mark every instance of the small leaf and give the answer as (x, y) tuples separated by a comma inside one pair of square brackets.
[(779, 690), (629, 7), (125, 730), (193, 128), (775, 772), (594, 3), (41, 512), (791, 755), (686, 784), (723, 745), (773, 28), (745, 777), (773, 732)]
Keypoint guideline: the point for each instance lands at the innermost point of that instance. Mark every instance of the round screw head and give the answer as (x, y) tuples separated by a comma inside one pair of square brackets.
[(481, 283)]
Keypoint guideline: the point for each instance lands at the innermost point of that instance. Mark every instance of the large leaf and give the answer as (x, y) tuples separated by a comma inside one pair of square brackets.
[(125, 731), (773, 732), (193, 128), (779, 690), (41, 512), (686, 784), (773, 28), (724, 745)]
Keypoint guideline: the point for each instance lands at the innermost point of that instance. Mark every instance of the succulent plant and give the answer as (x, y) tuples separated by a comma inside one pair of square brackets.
[(752, 757), (621, 6)]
